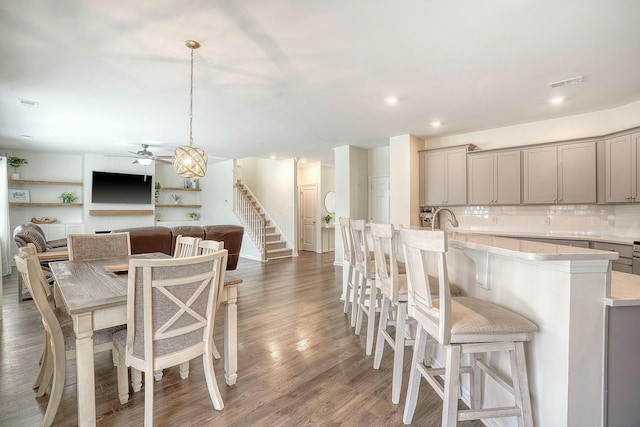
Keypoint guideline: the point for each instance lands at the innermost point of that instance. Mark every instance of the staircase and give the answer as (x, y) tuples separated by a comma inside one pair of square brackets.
[(258, 226)]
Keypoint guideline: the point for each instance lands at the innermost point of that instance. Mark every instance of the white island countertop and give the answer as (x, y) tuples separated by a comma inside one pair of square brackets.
[(588, 237), (524, 249)]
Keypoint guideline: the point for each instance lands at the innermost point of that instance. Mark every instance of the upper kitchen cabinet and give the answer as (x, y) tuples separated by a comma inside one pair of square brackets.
[(444, 173), (560, 174), (621, 168), (494, 178)]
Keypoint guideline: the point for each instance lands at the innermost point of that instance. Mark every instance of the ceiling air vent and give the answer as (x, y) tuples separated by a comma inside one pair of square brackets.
[(566, 82), (26, 103)]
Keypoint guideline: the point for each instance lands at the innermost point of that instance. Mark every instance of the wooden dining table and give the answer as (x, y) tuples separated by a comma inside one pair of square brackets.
[(94, 293)]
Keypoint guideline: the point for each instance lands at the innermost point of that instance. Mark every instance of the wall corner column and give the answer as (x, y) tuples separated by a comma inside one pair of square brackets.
[(404, 179)]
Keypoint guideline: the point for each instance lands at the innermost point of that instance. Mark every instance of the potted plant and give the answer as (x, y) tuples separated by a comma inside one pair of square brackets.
[(327, 219), (15, 163), (194, 216), (157, 193), (67, 197), (176, 198)]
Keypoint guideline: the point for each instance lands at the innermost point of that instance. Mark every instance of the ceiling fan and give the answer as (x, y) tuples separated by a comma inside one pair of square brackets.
[(144, 157)]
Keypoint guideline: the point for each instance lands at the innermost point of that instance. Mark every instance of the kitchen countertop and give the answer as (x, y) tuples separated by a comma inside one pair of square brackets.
[(625, 290), (524, 249), (553, 235), (625, 287)]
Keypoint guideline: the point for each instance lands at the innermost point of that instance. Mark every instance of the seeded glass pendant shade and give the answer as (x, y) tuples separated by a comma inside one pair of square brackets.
[(190, 161)]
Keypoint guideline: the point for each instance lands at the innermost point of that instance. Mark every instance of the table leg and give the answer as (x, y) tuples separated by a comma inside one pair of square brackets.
[(231, 335), (83, 328)]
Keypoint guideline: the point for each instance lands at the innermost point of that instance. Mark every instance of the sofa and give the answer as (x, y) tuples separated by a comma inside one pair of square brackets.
[(163, 239)]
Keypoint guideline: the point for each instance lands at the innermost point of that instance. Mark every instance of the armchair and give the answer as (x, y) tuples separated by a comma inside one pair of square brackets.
[(46, 251)]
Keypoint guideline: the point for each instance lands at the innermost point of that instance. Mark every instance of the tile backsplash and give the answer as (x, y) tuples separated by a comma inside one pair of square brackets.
[(587, 220)]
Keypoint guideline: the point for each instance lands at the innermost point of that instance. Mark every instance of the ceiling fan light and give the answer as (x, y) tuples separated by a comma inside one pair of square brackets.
[(145, 162), (190, 162)]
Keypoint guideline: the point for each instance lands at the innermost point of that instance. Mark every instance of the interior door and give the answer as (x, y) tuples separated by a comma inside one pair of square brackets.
[(308, 213), (379, 196)]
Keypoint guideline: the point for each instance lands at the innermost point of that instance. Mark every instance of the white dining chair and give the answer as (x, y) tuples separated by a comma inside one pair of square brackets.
[(209, 246), (61, 340), (84, 247), (186, 246), (206, 247), (170, 316)]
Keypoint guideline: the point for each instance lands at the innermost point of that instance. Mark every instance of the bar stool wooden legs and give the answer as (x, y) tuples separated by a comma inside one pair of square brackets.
[(368, 299), (348, 262), (393, 288)]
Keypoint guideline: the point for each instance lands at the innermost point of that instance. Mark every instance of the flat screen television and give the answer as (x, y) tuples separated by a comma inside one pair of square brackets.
[(109, 187)]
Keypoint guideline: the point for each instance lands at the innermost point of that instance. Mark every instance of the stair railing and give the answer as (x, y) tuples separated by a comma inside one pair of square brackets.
[(254, 222)]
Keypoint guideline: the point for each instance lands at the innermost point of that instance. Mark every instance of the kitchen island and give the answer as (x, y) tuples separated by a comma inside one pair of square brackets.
[(562, 290)]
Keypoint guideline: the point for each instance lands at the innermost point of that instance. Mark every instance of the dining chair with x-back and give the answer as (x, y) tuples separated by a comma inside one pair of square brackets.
[(170, 316)]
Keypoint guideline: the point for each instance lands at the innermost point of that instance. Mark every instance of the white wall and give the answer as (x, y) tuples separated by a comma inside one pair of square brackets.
[(404, 179), (327, 183), (217, 202), (379, 164), (48, 167), (274, 182), (351, 177), (358, 183)]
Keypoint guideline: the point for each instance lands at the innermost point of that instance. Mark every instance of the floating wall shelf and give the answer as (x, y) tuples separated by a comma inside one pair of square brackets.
[(112, 212), (66, 205), (179, 189), (32, 182), (179, 206)]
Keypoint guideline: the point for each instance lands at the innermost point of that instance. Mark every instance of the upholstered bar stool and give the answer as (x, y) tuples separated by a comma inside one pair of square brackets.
[(348, 262), (366, 288), (461, 325)]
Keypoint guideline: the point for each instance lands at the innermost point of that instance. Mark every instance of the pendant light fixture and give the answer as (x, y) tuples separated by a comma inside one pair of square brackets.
[(190, 161)]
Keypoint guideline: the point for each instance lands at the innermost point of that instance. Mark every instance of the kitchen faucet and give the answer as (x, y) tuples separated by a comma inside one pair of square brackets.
[(435, 221)]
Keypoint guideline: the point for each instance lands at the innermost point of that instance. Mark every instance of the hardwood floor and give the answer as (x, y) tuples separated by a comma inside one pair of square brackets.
[(299, 363)]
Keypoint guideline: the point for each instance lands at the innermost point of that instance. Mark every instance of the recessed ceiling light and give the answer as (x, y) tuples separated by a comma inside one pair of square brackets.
[(556, 100), (27, 103), (272, 157), (436, 124), (566, 82), (391, 100)]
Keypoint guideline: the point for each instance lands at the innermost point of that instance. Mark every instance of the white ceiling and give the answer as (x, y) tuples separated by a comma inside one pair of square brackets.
[(295, 78)]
